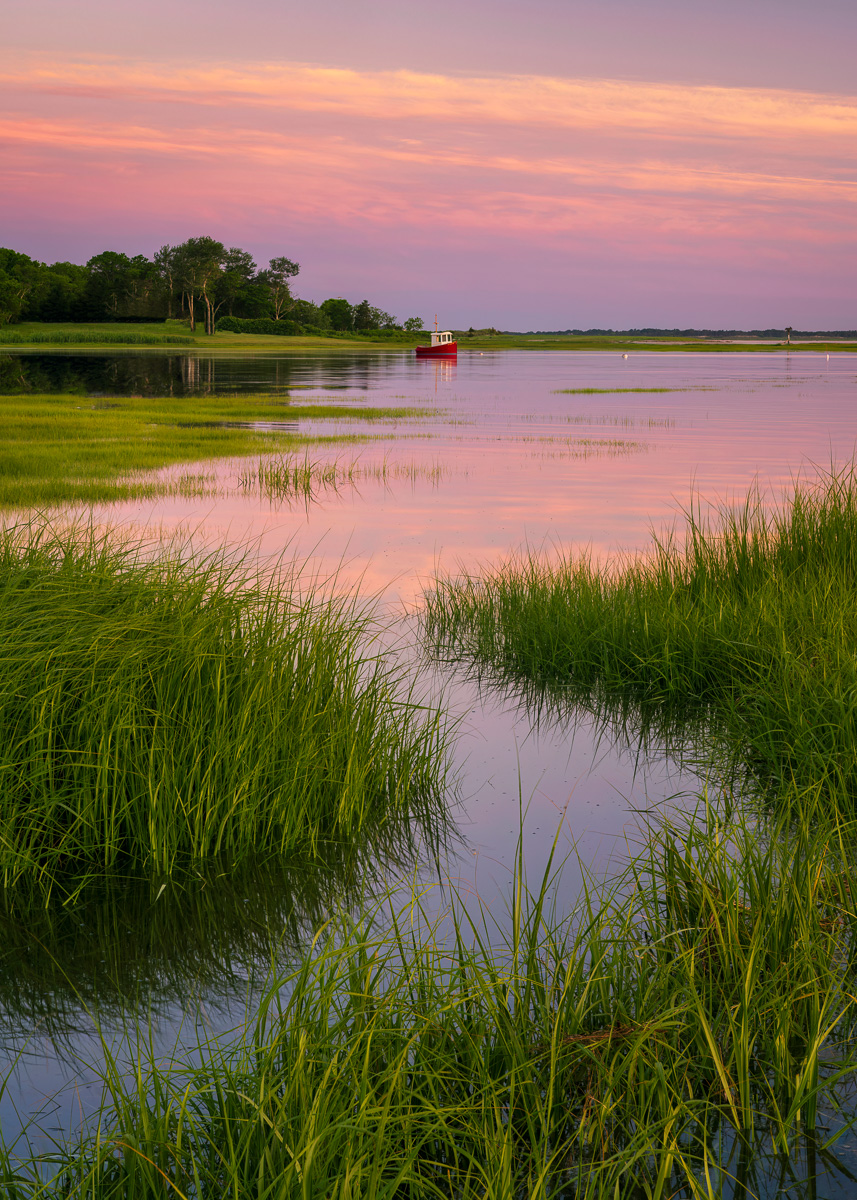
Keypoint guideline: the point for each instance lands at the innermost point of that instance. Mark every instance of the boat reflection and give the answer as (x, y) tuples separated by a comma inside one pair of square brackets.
[(444, 369)]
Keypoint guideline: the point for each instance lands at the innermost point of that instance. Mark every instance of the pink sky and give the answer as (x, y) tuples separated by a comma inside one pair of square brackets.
[(641, 165)]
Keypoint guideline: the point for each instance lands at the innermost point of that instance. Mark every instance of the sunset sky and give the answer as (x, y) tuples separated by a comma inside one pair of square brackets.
[(545, 166)]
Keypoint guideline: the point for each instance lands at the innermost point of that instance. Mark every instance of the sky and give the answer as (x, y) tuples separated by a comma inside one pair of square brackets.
[(543, 166)]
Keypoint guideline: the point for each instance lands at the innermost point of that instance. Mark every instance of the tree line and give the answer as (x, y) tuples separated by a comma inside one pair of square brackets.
[(200, 281)]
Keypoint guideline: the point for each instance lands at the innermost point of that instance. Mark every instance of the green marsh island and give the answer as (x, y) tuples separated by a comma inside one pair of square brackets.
[(425, 780)]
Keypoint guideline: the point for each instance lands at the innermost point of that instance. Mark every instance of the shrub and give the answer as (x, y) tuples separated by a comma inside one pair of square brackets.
[(263, 325)]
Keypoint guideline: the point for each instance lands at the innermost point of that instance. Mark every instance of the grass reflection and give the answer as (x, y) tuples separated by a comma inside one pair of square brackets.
[(129, 940)]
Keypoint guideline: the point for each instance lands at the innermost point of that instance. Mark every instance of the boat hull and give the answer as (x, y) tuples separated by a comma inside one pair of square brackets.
[(449, 349)]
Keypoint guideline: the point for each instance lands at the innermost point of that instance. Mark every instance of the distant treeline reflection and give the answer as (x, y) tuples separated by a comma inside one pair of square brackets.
[(179, 374)]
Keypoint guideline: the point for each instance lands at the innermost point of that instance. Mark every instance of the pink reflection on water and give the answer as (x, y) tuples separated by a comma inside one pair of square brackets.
[(510, 463)]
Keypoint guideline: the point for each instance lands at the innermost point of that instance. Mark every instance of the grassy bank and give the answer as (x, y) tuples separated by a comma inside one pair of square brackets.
[(95, 334), (64, 336), (620, 343), (677, 1035), (158, 711), (750, 614), (76, 449), (177, 334)]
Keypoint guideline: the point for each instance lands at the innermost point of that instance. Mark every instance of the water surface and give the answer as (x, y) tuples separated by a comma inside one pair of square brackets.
[(510, 452)]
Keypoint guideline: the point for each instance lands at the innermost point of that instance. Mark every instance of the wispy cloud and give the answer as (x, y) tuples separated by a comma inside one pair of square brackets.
[(656, 108), (719, 174)]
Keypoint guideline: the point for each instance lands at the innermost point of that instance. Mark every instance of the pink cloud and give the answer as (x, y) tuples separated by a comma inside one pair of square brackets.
[(656, 108), (594, 170)]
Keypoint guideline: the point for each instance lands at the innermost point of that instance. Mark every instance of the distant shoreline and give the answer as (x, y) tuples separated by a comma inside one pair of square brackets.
[(175, 337)]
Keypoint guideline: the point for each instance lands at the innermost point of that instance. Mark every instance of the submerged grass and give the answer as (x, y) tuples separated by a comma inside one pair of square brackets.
[(593, 391), (73, 449), (677, 1033), (159, 710), (284, 476), (753, 614), (611, 419), (290, 476)]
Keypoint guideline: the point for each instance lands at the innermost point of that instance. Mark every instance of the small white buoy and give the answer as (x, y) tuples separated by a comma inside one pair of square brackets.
[(624, 355)]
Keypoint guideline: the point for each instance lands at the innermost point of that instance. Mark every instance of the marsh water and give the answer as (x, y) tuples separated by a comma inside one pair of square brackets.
[(562, 452)]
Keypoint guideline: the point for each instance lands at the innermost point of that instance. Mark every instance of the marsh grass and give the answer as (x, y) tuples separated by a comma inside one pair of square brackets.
[(687, 1027), (91, 337), (287, 477), (581, 447), (593, 391), (623, 420), (752, 614), (160, 709), (71, 449), (283, 476)]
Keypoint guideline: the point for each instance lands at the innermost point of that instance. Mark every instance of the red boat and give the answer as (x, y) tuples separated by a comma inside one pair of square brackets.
[(442, 345)]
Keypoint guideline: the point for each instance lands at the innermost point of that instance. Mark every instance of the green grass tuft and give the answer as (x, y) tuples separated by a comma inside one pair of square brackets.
[(159, 711), (753, 615)]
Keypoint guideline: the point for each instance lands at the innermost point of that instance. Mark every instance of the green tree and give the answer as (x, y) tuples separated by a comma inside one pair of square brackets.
[(24, 281), (309, 314), (382, 319), (236, 279), (111, 281), (165, 262), (199, 262), (413, 324), (367, 316), (340, 313), (364, 318), (276, 281), (64, 298), (10, 299)]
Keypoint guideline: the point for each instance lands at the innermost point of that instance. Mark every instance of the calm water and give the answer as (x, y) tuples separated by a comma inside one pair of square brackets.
[(500, 458)]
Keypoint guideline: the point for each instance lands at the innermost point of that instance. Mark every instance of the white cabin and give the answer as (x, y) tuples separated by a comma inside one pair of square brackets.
[(441, 339)]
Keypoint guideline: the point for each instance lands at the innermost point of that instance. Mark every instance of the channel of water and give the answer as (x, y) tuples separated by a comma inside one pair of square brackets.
[(510, 451)]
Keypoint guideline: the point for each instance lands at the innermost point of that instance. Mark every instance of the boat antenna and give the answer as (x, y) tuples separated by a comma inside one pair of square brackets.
[(435, 322)]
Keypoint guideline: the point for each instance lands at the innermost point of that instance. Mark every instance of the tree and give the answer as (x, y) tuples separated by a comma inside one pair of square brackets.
[(382, 319), (363, 316), (111, 276), (413, 324), (367, 316), (64, 298), (24, 279), (165, 263), (10, 299), (309, 314), (276, 281), (340, 312), (199, 262), (236, 278)]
